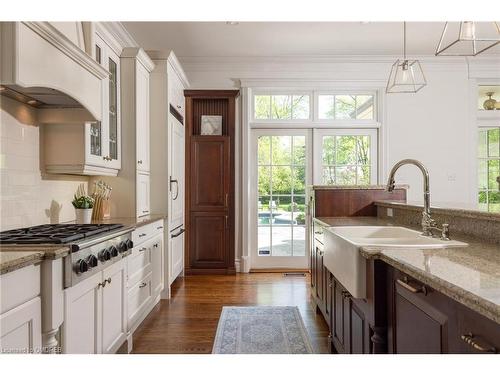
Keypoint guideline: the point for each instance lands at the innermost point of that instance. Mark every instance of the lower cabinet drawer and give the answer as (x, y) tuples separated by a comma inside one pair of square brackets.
[(139, 263), (146, 232), (139, 296)]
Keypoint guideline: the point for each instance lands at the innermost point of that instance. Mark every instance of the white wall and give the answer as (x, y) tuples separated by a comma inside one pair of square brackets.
[(27, 198)]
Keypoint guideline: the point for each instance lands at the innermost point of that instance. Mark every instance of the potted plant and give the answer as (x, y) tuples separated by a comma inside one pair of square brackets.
[(83, 207)]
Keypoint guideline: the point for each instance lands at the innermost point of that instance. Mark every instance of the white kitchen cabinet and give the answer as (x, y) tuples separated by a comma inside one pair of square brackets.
[(90, 148), (114, 307), (95, 312), (142, 121), (21, 328), (20, 310), (176, 168), (82, 327), (176, 251), (157, 263), (143, 194)]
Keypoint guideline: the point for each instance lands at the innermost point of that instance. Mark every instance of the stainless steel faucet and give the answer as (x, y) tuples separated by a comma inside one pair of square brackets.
[(428, 223)]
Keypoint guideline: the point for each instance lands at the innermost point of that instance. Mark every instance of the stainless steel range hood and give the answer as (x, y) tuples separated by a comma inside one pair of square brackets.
[(41, 68)]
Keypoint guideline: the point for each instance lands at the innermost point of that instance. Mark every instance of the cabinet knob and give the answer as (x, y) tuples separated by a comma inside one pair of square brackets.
[(139, 161), (142, 285), (179, 106)]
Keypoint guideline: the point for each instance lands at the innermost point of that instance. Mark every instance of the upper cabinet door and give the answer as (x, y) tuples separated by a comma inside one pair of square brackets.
[(209, 173), (113, 111), (142, 121)]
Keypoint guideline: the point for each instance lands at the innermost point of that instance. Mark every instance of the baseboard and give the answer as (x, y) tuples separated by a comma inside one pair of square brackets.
[(245, 264), (237, 264)]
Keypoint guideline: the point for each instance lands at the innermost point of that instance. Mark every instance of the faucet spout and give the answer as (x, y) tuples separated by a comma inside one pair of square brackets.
[(427, 221)]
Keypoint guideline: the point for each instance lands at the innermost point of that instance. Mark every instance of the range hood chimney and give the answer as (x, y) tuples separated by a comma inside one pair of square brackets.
[(42, 68)]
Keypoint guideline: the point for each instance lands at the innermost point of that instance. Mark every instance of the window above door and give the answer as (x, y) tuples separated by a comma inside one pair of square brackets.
[(308, 109)]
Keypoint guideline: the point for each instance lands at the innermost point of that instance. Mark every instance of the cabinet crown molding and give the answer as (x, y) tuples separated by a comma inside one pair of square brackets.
[(139, 54), (171, 58)]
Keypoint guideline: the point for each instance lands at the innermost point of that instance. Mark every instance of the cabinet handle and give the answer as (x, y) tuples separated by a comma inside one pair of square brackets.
[(321, 253), (143, 249), (226, 225), (103, 284), (142, 285), (145, 211), (226, 199), (470, 339), (317, 232), (139, 161), (405, 284), (108, 280), (179, 106), (155, 245), (142, 234), (178, 234), (160, 227)]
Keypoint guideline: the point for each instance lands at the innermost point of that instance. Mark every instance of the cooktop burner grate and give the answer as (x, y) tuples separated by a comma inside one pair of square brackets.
[(54, 233)]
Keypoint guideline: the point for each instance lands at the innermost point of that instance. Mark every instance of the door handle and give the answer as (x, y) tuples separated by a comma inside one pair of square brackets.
[(172, 181), (405, 283), (178, 234)]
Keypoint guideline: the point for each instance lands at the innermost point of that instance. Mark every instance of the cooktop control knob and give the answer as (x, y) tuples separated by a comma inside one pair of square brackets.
[(122, 247), (81, 266), (91, 261), (104, 255), (113, 250), (129, 243)]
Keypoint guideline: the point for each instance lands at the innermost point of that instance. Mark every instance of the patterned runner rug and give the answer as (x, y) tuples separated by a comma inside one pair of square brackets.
[(261, 330)]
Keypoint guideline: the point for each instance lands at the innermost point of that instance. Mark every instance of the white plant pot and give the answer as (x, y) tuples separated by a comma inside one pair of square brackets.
[(83, 215)]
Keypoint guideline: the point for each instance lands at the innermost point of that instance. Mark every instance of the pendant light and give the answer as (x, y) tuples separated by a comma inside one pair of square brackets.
[(467, 38), (406, 75)]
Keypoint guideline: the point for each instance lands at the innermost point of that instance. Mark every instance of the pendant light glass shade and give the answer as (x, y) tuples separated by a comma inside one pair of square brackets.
[(467, 38), (407, 76)]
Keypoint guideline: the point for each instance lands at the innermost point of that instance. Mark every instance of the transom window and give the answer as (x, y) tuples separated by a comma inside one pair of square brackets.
[(345, 107), (282, 107), (489, 169)]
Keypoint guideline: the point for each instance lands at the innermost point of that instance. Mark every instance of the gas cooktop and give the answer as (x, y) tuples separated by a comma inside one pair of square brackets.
[(55, 233)]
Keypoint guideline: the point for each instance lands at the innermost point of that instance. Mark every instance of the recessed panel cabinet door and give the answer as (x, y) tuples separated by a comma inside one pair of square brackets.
[(209, 239), (82, 327), (210, 170), (114, 307)]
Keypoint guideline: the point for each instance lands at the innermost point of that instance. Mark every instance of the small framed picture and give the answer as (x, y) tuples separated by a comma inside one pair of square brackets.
[(211, 125)]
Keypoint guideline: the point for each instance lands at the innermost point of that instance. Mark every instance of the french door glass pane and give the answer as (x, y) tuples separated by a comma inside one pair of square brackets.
[(346, 160), (281, 195)]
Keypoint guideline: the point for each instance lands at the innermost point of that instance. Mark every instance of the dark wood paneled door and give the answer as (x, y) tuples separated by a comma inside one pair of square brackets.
[(210, 173), (209, 239)]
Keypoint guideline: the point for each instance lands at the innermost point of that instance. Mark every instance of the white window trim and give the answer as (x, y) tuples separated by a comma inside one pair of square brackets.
[(314, 121), (318, 150)]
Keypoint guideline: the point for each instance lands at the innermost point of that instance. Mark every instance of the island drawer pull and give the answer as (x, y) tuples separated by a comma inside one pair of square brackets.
[(142, 285), (143, 249), (471, 340), (405, 283)]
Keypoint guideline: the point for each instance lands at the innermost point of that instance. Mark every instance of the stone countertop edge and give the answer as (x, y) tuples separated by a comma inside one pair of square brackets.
[(14, 260), (355, 187), (471, 214), (52, 252), (471, 300)]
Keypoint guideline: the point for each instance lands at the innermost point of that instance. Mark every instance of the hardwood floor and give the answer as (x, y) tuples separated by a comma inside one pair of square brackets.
[(187, 322)]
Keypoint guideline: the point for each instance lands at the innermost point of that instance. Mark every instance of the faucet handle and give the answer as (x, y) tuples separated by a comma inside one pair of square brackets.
[(445, 232)]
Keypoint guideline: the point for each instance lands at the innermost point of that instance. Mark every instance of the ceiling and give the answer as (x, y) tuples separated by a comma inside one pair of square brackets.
[(217, 39)]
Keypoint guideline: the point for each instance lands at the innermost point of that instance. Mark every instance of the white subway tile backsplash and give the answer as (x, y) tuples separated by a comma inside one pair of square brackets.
[(26, 197)]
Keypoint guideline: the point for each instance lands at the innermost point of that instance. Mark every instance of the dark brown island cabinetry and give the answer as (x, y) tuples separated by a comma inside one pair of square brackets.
[(210, 181), (400, 314), (423, 320)]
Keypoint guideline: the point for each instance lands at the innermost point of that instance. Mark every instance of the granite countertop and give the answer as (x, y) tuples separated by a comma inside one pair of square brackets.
[(468, 212), (13, 257), (469, 275), (13, 260)]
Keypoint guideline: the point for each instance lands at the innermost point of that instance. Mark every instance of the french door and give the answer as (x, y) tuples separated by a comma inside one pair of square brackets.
[(281, 172)]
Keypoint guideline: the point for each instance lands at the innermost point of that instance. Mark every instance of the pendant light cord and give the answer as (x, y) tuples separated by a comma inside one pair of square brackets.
[(404, 40)]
